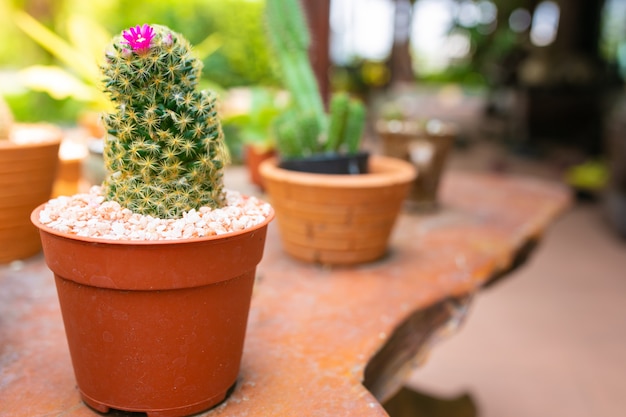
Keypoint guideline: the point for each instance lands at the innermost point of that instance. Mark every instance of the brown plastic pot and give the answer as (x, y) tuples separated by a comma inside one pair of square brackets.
[(155, 327), (28, 163), (338, 219)]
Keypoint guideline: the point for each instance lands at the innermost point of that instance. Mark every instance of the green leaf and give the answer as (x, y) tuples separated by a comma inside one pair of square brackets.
[(209, 45), (88, 38), (56, 45), (57, 82)]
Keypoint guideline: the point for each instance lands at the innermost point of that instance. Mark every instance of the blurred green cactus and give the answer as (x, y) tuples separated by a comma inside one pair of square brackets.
[(6, 119), (308, 129), (347, 119), (165, 151)]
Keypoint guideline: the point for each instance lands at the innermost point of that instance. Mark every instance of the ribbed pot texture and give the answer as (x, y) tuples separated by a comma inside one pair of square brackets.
[(338, 219), (27, 173)]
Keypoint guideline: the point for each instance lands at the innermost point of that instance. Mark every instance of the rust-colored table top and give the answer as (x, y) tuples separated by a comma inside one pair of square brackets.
[(312, 330)]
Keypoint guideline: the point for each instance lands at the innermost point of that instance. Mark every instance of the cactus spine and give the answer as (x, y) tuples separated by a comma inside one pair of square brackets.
[(341, 130), (165, 152), (6, 120)]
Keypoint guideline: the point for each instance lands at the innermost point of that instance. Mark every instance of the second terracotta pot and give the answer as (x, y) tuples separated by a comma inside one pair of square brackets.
[(338, 219)]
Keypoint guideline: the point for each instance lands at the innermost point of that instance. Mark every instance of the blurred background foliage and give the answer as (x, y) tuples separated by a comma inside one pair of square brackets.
[(470, 43), (231, 44)]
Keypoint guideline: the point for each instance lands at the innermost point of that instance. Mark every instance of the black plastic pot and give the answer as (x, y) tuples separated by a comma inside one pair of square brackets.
[(330, 163)]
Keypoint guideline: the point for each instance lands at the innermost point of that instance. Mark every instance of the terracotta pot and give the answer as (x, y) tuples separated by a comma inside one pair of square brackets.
[(427, 148), (154, 326), (396, 136), (254, 156), (68, 177), (28, 164), (338, 219)]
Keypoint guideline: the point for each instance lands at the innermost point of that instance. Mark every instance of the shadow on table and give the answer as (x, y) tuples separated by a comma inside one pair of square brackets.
[(408, 403)]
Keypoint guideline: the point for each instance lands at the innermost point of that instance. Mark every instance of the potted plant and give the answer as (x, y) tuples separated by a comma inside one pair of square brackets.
[(334, 203), (78, 79), (29, 156), (424, 143), (250, 112), (80, 54), (155, 268)]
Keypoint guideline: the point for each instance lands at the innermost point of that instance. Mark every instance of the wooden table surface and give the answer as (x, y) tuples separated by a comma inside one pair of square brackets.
[(317, 336)]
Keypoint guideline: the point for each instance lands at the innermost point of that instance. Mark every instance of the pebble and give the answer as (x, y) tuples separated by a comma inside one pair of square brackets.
[(90, 215)]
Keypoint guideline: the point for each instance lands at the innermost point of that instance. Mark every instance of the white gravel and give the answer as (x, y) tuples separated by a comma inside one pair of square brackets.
[(89, 215)]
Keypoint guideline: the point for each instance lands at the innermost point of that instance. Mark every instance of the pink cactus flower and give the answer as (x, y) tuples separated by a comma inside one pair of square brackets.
[(139, 37)]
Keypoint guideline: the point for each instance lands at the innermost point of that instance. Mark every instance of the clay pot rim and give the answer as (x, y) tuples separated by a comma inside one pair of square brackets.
[(54, 136), (34, 218), (432, 128), (383, 171), (399, 127)]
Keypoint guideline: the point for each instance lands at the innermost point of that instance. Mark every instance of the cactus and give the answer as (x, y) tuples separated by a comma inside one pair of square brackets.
[(354, 126), (6, 120), (289, 36), (165, 151), (347, 118), (341, 129), (297, 134)]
